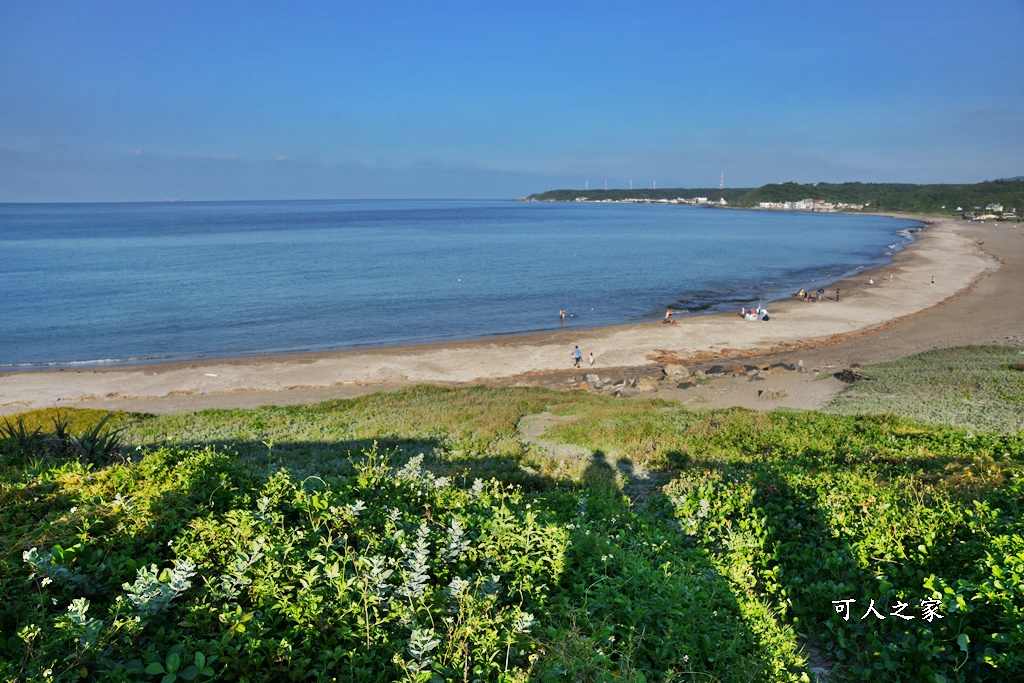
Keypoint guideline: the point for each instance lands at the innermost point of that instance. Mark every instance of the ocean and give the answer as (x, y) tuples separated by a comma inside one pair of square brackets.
[(104, 284)]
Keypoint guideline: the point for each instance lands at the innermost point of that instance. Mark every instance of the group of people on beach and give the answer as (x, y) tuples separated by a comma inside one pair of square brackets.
[(754, 313), (577, 358), (806, 295)]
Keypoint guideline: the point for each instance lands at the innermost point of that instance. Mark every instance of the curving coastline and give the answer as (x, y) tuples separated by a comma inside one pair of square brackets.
[(973, 265)]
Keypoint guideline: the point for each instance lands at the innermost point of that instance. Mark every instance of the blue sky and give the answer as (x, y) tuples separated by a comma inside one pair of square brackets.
[(138, 101)]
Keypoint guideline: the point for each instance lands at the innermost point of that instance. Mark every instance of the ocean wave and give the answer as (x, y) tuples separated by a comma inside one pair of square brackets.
[(98, 362)]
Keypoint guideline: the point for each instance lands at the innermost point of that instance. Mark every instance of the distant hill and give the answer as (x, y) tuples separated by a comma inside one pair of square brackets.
[(901, 197)]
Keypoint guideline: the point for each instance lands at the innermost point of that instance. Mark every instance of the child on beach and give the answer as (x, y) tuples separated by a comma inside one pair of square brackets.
[(591, 359)]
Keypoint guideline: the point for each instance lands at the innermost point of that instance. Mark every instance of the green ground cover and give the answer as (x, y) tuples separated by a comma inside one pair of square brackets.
[(979, 388), (419, 536)]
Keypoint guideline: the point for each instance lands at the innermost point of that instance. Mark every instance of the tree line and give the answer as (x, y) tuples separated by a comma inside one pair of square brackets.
[(902, 197)]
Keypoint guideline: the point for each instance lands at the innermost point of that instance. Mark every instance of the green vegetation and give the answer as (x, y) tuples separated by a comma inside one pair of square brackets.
[(421, 536), (877, 197), (978, 388)]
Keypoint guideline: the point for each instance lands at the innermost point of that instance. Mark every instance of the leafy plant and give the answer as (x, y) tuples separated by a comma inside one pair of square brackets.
[(173, 667), (413, 536), (97, 443)]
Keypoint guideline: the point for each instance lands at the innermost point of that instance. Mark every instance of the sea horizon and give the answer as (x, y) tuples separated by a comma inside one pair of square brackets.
[(126, 283)]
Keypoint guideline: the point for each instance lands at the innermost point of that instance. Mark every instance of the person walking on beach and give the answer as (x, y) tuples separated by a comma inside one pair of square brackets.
[(668, 315), (837, 295), (577, 356), (821, 293), (591, 359)]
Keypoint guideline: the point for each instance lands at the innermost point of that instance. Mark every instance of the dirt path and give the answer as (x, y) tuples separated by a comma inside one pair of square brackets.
[(637, 482)]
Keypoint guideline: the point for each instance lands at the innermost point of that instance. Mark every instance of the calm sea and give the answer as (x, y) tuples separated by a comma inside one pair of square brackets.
[(118, 283)]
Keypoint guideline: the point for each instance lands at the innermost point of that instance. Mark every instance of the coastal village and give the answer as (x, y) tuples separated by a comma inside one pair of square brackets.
[(994, 211), (817, 205), (989, 201)]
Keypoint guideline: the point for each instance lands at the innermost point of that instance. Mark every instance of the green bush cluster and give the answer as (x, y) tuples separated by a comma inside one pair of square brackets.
[(285, 544), (892, 577), (95, 443), (191, 565)]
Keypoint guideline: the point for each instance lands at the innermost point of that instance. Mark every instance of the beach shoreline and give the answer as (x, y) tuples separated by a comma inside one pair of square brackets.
[(958, 255)]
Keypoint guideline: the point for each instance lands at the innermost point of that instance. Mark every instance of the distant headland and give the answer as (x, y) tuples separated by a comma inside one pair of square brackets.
[(998, 199)]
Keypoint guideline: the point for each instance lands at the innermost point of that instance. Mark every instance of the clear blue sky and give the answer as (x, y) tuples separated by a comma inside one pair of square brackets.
[(135, 101)]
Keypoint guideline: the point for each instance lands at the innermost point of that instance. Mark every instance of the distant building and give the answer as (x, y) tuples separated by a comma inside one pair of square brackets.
[(809, 204)]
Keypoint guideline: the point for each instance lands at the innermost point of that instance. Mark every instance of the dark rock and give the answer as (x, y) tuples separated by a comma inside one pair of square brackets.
[(776, 368), (852, 374)]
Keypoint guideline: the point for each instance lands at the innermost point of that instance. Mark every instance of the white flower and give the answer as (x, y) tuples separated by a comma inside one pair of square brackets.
[(47, 581)]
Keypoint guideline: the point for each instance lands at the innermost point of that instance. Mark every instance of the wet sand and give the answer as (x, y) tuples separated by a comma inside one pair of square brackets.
[(977, 268)]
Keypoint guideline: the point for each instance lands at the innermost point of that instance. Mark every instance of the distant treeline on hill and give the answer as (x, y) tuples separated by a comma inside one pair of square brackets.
[(902, 197)]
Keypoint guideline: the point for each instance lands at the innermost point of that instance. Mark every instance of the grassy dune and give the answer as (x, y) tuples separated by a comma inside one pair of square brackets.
[(979, 388), (522, 534)]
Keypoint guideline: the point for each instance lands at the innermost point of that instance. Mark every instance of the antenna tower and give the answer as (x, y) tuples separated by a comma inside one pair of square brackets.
[(721, 183)]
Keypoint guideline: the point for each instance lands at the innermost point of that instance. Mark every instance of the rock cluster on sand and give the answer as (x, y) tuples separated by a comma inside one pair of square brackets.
[(673, 375)]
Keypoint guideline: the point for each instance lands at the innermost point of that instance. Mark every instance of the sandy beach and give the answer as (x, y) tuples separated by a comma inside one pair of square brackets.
[(977, 270)]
